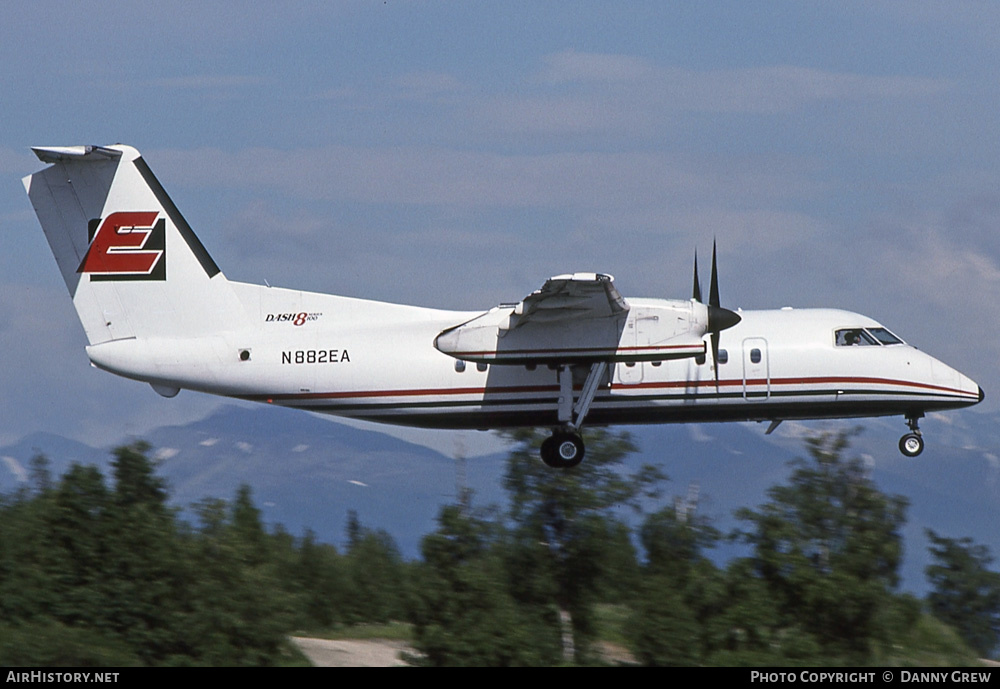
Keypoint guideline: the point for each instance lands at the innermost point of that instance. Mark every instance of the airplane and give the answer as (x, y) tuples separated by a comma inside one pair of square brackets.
[(156, 308)]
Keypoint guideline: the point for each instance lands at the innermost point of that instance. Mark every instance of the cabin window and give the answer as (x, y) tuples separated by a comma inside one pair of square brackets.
[(481, 367), (699, 359), (723, 356), (755, 356), (459, 365)]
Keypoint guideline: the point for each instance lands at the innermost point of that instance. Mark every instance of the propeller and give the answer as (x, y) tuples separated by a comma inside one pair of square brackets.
[(719, 318), (697, 283)]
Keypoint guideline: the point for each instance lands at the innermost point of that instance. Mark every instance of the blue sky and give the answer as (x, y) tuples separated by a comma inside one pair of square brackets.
[(456, 154)]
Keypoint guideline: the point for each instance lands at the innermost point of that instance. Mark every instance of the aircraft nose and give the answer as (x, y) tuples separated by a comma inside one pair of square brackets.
[(982, 395)]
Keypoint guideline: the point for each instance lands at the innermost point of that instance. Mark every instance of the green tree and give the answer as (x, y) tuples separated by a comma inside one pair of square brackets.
[(376, 576), (354, 530), (144, 563), (319, 573), (81, 534), (966, 593), (827, 547), (248, 533), (663, 630), (28, 558), (674, 541), (97, 575), (680, 588), (40, 476), (48, 643), (462, 611), (746, 628), (620, 571), (564, 523), (239, 609)]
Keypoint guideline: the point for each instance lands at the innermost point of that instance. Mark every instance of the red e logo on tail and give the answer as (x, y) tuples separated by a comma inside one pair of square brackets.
[(128, 245)]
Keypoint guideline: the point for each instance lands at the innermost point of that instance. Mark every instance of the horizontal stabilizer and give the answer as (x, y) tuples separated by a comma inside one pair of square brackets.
[(55, 154)]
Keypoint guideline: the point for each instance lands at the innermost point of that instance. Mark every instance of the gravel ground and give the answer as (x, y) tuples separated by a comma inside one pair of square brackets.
[(382, 653), (350, 653)]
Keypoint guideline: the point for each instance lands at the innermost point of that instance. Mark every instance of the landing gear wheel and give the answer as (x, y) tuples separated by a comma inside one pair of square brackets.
[(562, 450), (548, 452), (911, 444)]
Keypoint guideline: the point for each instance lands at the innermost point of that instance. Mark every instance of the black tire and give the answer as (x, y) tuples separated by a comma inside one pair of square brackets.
[(548, 452), (911, 444)]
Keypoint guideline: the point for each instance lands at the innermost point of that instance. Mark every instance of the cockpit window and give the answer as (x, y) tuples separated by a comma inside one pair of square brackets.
[(854, 337), (863, 337), (884, 336)]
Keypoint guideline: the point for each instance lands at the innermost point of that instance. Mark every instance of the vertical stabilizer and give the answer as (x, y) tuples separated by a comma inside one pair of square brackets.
[(132, 264)]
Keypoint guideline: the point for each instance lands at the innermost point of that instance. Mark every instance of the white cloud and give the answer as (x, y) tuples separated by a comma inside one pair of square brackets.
[(627, 95), (762, 88), (209, 82), (433, 175), (423, 86), (936, 268), (572, 66), (20, 473)]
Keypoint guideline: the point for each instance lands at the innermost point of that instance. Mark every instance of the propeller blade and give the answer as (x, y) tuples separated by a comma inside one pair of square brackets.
[(696, 292), (713, 297), (719, 318), (715, 357)]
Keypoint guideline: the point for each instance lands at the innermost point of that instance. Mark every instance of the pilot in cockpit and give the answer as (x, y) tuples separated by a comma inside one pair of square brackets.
[(848, 338)]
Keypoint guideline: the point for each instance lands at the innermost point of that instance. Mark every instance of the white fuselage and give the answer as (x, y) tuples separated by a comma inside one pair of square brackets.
[(377, 361)]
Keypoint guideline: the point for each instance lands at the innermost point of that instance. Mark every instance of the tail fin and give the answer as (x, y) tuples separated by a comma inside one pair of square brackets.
[(133, 266)]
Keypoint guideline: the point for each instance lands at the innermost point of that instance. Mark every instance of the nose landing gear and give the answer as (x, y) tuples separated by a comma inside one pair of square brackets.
[(912, 444)]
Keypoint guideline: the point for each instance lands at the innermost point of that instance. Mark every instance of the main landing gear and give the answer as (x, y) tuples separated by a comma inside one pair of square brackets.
[(912, 444), (564, 449)]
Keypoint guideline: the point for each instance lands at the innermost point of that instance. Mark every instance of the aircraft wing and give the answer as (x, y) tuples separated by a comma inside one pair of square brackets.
[(577, 317)]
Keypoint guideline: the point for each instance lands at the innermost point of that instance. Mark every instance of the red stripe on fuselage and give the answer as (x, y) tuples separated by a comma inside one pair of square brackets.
[(584, 350), (739, 382)]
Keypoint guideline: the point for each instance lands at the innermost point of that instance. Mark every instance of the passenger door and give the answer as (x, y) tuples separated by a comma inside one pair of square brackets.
[(756, 372)]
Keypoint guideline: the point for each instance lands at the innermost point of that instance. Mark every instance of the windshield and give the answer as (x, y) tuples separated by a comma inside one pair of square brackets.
[(865, 337), (884, 336)]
